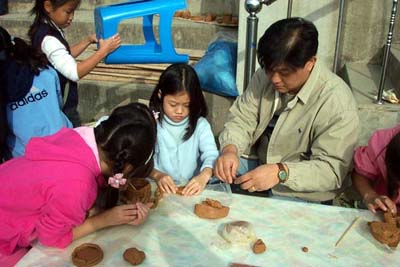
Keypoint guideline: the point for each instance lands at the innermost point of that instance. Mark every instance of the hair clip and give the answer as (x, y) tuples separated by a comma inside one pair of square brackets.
[(156, 114), (149, 158), (116, 180)]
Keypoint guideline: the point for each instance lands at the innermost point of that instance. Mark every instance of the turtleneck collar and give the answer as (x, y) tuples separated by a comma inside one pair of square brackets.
[(182, 122)]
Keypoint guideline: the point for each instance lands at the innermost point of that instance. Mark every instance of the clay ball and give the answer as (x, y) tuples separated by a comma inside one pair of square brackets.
[(259, 247), (134, 256)]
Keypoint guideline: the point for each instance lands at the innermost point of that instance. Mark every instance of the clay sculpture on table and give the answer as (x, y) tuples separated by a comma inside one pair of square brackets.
[(211, 209), (259, 247), (387, 232), (134, 256), (87, 255), (138, 190)]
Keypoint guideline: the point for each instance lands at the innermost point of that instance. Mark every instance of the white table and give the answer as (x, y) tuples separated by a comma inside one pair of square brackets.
[(174, 236)]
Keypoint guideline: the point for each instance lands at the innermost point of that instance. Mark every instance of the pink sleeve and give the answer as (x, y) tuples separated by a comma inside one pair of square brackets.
[(369, 161), (65, 209), (365, 162)]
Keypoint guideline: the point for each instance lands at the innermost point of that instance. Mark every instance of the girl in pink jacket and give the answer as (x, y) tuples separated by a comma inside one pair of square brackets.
[(376, 173), (47, 193)]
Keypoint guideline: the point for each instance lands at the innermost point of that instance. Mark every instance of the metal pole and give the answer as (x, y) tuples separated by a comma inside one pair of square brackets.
[(289, 8), (386, 52), (338, 36), (252, 7)]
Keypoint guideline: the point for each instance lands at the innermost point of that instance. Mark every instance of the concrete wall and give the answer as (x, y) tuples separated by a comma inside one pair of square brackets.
[(365, 28), (218, 7)]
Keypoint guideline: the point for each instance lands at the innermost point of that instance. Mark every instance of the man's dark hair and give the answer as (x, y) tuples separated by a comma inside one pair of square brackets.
[(291, 41)]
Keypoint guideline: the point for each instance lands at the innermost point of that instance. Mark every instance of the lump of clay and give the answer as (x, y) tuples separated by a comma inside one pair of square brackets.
[(87, 255), (211, 209), (138, 190), (238, 232), (259, 247), (179, 190), (134, 256), (389, 217), (385, 233), (210, 17)]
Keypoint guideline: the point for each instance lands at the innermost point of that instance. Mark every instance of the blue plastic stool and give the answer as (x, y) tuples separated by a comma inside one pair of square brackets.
[(107, 19)]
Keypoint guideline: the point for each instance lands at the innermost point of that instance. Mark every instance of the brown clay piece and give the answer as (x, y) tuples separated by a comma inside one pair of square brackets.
[(304, 249), (178, 14), (210, 17), (138, 190), (158, 195), (179, 190), (186, 14), (197, 18), (134, 256), (389, 217), (211, 209), (259, 247), (235, 21), (87, 255), (385, 233), (227, 19)]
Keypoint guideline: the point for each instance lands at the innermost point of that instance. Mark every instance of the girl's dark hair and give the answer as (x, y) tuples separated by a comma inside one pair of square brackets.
[(128, 136), (24, 54), (392, 159), (4, 53), (5, 153), (41, 15), (175, 79), (26, 58), (291, 41)]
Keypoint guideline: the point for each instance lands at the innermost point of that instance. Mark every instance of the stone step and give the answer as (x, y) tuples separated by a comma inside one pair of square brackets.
[(100, 98), (393, 69), (364, 79), (196, 7), (186, 33)]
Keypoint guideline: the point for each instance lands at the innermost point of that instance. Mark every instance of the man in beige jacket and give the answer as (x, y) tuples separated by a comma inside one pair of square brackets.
[(296, 116)]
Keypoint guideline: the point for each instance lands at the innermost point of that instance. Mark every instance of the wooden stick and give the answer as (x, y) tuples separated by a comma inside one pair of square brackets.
[(346, 231)]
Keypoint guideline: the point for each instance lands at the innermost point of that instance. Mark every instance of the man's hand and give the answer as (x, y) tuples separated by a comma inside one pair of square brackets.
[(261, 178), (226, 165)]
